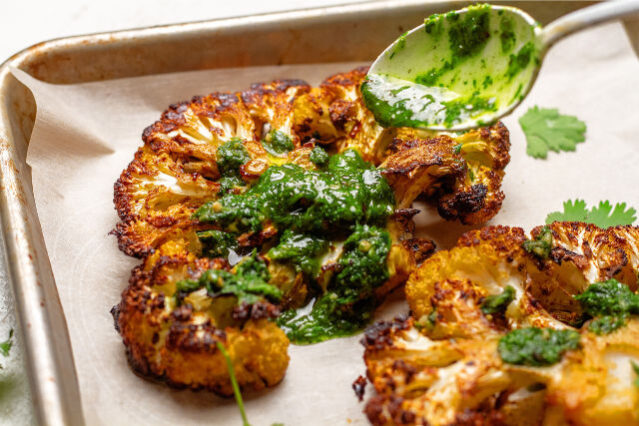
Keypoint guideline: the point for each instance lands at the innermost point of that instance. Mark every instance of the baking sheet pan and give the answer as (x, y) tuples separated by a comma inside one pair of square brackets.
[(347, 33)]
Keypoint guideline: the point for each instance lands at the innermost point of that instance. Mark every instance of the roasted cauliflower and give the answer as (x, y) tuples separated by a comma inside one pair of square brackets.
[(244, 206), (507, 329)]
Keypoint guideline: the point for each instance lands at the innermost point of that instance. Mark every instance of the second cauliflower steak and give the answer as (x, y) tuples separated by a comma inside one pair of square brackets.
[(512, 330)]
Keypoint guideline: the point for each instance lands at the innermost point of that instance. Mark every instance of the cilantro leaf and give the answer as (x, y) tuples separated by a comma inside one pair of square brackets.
[(548, 130), (604, 215), (574, 211), (236, 389)]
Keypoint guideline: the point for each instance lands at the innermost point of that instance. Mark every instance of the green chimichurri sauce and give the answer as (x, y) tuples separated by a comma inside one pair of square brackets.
[(536, 346), (277, 143), (248, 282), (507, 34), (339, 211), (349, 191), (347, 305), (318, 156), (610, 304), (230, 157), (462, 68)]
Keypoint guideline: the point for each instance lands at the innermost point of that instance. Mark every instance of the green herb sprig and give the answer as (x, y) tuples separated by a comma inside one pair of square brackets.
[(604, 215), (236, 387)]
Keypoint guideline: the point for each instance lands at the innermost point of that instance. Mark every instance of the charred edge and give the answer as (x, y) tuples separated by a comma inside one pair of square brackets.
[(195, 338), (142, 369), (499, 136), (404, 218), (464, 203), (128, 245), (115, 313), (421, 248), (256, 311), (393, 171), (487, 413), (350, 78), (259, 91), (404, 214), (560, 255), (121, 197), (341, 112), (379, 335), (384, 410), (359, 387)]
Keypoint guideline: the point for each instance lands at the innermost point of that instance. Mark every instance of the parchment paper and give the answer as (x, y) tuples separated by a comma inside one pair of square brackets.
[(86, 134)]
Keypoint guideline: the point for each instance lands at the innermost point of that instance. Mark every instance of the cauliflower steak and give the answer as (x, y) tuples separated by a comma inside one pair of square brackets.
[(245, 207), (512, 330)]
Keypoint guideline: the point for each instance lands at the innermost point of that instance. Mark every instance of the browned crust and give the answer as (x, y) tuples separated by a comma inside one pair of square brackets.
[(380, 335), (421, 248), (464, 186)]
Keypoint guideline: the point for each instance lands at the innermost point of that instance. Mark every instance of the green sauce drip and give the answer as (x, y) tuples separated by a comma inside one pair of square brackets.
[(346, 307), (303, 252), (536, 346), (319, 156), (350, 191), (607, 324), (468, 35), (399, 46), (217, 243), (541, 245), (231, 183), (457, 109), (433, 76), (434, 26), (520, 61)]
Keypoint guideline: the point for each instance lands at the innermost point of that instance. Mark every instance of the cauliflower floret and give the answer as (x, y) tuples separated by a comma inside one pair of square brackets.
[(460, 175), (176, 341), (467, 353)]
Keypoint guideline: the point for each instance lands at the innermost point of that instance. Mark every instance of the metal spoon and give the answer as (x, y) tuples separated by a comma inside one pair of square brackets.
[(469, 67)]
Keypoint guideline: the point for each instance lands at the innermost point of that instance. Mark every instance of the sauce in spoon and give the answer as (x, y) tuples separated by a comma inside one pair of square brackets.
[(469, 67), (458, 70)]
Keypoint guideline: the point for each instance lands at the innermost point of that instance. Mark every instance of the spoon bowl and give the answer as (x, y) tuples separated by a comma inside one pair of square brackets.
[(467, 68)]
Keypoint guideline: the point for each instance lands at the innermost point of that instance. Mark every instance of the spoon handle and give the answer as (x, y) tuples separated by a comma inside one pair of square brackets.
[(587, 17)]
